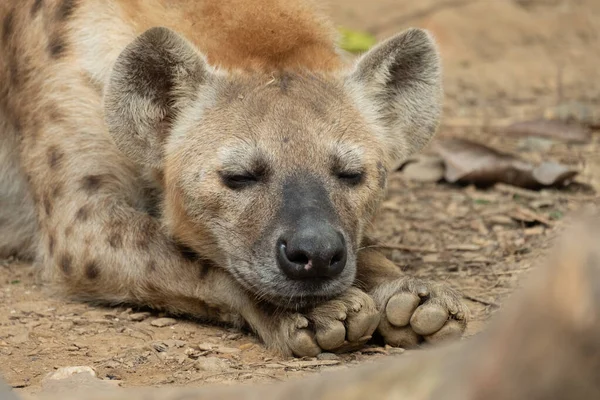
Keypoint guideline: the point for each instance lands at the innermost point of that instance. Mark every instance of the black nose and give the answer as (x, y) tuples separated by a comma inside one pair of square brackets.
[(312, 252)]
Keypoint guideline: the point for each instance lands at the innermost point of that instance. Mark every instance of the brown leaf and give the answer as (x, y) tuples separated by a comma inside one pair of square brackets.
[(424, 168), (568, 132), (523, 214), (471, 162)]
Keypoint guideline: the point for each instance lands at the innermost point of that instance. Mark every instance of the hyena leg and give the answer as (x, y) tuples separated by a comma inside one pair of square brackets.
[(17, 213), (411, 310)]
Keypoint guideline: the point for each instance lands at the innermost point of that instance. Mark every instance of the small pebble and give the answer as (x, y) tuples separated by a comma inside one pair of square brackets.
[(163, 322), (211, 364), (65, 372), (137, 317), (328, 356), (227, 350), (233, 336)]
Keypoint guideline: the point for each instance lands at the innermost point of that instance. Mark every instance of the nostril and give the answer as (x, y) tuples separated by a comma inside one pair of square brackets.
[(296, 257)]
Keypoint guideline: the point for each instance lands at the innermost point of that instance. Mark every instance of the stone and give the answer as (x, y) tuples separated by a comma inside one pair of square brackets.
[(163, 322)]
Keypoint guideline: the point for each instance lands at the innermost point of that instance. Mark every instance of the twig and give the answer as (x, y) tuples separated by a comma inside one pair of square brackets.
[(532, 194), (238, 372), (404, 247), (481, 301)]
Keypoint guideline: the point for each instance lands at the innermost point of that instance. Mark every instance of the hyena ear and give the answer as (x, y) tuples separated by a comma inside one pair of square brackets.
[(398, 87), (153, 78)]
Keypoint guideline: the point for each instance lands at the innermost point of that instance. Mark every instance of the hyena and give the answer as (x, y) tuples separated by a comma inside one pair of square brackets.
[(218, 159)]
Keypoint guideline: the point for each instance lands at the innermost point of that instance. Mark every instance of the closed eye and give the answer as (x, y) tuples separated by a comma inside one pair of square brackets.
[(239, 181), (351, 178)]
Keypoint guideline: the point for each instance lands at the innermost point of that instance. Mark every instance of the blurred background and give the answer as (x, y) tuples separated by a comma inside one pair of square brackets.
[(502, 58)]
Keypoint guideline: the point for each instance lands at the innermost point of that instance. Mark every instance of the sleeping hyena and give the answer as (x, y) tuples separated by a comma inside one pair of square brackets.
[(216, 159)]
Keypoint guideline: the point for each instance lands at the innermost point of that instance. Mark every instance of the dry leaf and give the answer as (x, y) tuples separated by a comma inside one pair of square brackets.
[(423, 168), (471, 162), (554, 129)]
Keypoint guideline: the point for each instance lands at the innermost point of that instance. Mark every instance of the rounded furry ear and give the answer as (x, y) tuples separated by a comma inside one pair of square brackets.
[(152, 79), (398, 86)]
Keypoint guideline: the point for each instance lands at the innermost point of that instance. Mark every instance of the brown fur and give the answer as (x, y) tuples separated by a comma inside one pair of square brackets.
[(115, 137)]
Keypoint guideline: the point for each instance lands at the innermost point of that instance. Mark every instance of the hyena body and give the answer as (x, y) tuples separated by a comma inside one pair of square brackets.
[(228, 171)]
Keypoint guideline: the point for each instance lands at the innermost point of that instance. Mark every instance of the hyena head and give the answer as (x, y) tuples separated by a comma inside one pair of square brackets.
[(273, 176)]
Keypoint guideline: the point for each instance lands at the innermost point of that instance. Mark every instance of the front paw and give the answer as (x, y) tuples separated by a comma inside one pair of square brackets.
[(342, 324), (413, 311)]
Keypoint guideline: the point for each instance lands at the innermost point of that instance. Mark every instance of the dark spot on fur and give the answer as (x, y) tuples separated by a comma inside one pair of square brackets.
[(115, 240), (205, 266), (50, 245), (8, 26), (65, 9), (151, 266), (153, 289), (56, 191), (13, 68), (187, 253), (54, 114), (68, 231), (92, 183), (56, 47), (153, 197), (54, 157), (47, 205), (66, 264), (35, 7), (382, 174), (91, 270), (284, 83), (82, 214), (145, 233), (285, 139)]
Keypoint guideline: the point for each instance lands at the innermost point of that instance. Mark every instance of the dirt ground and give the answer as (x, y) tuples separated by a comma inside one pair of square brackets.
[(504, 60)]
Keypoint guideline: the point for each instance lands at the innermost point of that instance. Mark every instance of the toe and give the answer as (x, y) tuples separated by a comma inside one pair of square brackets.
[(428, 318), (361, 324), (450, 331), (399, 337), (331, 336), (401, 307), (303, 344)]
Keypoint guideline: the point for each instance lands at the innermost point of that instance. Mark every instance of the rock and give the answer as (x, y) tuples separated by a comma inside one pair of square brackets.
[(233, 336), (175, 343), (205, 346), (246, 346), (137, 317), (328, 356), (74, 379), (211, 364), (396, 350), (65, 372), (163, 322), (226, 350), (160, 346)]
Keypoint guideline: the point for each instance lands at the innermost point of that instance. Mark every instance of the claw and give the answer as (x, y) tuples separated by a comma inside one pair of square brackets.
[(423, 291)]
